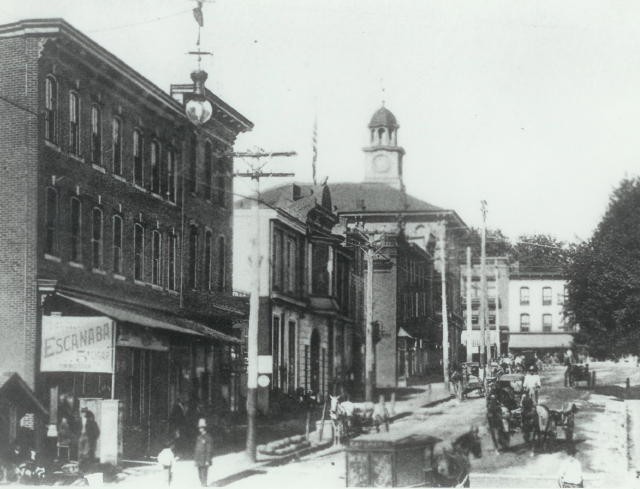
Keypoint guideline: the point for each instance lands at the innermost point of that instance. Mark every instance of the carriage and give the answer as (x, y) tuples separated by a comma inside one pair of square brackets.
[(472, 379), (510, 410), (579, 373)]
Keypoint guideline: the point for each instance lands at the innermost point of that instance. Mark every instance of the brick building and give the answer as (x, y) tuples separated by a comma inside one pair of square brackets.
[(114, 207), (310, 292)]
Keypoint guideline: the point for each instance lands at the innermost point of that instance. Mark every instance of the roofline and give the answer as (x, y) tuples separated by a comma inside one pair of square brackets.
[(443, 212), (59, 26)]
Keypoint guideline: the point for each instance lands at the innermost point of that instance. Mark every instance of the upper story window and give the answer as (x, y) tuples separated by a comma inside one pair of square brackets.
[(76, 230), (193, 256), (154, 155), (546, 296), (546, 322), (96, 135), (156, 254), (222, 264), (208, 170), (51, 240), (116, 145), (74, 123), (524, 296), (276, 260), (50, 108), (524, 323), (138, 251), (172, 244), (96, 238), (193, 163), (138, 174), (117, 244), (220, 183), (208, 259), (320, 276), (172, 175), (290, 264)]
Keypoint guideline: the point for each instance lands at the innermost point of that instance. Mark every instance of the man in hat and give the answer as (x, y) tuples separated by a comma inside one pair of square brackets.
[(532, 384), (203, 452)]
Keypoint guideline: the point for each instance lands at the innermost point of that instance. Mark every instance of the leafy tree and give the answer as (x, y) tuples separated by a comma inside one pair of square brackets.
[(537, 252), (604, 278), (497, 244)]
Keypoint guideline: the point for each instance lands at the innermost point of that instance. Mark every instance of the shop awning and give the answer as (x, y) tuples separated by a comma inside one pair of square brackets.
[(474, 340), (149, 318), (403, 334), (540, 340)]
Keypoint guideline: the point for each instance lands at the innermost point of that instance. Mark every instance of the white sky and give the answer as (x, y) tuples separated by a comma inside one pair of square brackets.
[(532, 105)]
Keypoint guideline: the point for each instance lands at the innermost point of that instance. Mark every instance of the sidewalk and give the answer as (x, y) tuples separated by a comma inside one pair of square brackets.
[(231, 467)]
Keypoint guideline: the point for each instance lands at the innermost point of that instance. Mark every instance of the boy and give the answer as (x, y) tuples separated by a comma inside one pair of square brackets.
[(167, 459)]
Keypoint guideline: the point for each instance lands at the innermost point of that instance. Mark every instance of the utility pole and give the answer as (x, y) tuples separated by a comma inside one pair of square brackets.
[(445, 319), (469, 309), (369, 347), (255, 173), (497, 333), (483, 284)]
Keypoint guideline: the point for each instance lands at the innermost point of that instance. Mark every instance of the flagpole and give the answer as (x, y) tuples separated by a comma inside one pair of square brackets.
[(315, 149)]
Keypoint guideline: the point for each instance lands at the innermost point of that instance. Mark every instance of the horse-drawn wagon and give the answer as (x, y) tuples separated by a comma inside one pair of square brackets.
[(579, 373), (472, 379)]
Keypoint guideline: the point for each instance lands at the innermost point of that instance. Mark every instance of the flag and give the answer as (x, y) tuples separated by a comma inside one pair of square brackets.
[(315, 149), (197, 14)]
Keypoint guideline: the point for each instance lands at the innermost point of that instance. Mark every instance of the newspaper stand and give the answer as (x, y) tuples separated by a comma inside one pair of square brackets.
[(389, 460)]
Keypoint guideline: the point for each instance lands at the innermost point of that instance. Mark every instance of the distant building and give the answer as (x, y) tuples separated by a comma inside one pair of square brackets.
[(536, 312), (116, 219)]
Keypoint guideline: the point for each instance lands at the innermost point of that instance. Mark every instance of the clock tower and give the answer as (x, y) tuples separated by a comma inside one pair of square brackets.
[(383, 157)]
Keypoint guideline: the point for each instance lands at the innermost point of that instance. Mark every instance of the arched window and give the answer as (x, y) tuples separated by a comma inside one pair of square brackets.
[(524, 323), (116, 145), (96, 238), (222, 260), (50, 108), (193, 256), (76, 230), (155, 167), (172, 175), (117, 244), (96, 135), (172, 242), (51, 241), (74, 123), (138, 174), (156, 254), (138, 251), (208, 259), (208, 170)]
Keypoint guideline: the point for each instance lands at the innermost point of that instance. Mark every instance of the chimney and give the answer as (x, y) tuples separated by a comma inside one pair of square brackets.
[(296, 192)]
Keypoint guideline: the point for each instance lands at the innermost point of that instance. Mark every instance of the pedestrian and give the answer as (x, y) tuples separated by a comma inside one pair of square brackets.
[(203, 452), (178, 425), (167, 459), (571, 470), (88, 440), (532, 384)]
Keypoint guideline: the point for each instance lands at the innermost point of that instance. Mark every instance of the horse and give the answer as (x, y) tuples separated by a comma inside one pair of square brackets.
[(536, 422), (451, 468), (348, 416)]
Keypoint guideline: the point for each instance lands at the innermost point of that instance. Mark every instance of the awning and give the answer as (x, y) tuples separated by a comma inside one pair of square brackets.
[(403, 334), (540, 340), (149, 318), (475, 338)]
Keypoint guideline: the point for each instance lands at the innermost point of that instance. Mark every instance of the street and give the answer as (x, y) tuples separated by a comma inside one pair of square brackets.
[(600, 437)]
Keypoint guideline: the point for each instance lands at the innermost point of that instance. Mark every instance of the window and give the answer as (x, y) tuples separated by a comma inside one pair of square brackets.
[(222, 260), (138, 251), (137, 158), (74, 123), (524, 323), (171, 261), (96, 238), (171, 175), (208, 245), (155, 167), (546, 296), (96, 135), (156, 253), (220, 186), (76, 227), (117, 244), (193, 255), (524, 296), (50, 108), (193, 163), (277, 260), (208, 170), (51, 244), (546, 323), (116, 135), (320, 273)]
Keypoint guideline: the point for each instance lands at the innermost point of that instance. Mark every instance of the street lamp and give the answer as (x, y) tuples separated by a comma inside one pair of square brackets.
[(198, 108)]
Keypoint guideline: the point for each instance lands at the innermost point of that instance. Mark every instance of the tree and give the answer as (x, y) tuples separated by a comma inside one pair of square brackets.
[(497, 243), (604, 278), (541, 252)]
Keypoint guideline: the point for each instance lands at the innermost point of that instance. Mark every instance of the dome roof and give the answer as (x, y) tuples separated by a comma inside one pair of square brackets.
[(383, 118)]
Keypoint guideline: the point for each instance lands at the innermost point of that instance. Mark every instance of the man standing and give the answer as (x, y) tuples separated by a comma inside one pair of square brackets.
[(203, 452), (532, 383)]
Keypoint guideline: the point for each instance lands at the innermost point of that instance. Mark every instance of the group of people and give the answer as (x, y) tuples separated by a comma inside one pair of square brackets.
[(78, 431)]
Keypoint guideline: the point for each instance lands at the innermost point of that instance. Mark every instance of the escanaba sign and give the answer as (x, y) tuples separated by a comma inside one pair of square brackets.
[(77, 344)]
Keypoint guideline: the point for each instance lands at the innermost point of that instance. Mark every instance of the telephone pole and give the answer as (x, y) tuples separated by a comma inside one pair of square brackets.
[(259, 160), (497, 333), (445, 319), (483, 284), (369, 347), (469, 309)]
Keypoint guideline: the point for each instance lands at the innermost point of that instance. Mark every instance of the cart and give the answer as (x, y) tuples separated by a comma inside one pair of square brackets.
[(472, 379)]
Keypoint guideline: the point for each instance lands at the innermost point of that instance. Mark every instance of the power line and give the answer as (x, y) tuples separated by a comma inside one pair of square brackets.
[(142, 22)]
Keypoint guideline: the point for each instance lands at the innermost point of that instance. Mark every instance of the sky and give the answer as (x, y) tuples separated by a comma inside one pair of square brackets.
[(533, 106)]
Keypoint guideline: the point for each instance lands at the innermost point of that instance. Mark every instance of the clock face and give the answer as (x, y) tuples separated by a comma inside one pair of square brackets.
[(381, 163)]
